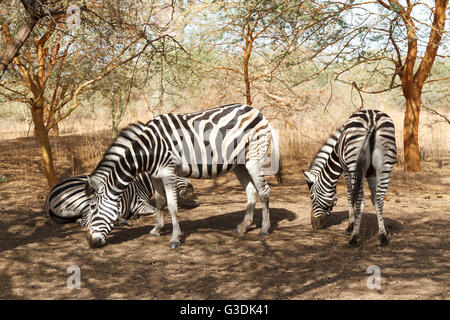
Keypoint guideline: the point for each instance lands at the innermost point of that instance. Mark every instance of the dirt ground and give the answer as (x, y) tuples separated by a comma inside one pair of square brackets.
[(214, 262)]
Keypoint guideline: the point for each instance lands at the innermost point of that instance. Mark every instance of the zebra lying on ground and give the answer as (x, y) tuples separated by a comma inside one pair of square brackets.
[(201, 145), (67, 201), (363, 147)]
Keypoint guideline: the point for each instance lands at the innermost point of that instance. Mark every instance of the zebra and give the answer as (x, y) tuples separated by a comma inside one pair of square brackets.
[(199, 145), (363, 147), (67, 201)]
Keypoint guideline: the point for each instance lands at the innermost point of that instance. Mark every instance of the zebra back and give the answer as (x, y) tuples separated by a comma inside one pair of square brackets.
[(67, 201)]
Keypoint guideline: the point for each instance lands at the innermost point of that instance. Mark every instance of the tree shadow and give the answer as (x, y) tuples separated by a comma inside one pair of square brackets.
[(10, 241), (369, 223)]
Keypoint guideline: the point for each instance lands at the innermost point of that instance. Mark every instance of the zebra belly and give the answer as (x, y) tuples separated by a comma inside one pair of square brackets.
[(209, 171)]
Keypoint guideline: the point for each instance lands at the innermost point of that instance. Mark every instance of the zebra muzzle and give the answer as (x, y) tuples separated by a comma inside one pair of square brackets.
[(317, 222), (95, 241)]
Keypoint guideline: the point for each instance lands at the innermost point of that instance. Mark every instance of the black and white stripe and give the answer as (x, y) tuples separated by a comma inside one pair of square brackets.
[(202, 145), (364, 147), (68, 202)]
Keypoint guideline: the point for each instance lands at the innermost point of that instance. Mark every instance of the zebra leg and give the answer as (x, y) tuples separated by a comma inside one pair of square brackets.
[(378, 202), (246, 181), (351, 213), (170, 186), (360, 205), (262, 187), (160, 200)]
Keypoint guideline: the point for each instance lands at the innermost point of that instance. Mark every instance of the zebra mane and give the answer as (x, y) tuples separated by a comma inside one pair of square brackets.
[(322, 155), (124, 137), (118, 148), (129, 132)]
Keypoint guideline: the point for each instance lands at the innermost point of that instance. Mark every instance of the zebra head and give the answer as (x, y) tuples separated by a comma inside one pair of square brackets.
[(103, 213), (323, 201)]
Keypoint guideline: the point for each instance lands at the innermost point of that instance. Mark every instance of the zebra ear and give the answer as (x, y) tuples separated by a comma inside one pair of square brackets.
[(92, 184), (310, 178)]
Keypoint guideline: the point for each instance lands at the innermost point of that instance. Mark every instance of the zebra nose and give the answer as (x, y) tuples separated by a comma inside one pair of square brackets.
[(95, 241), (317, 222)]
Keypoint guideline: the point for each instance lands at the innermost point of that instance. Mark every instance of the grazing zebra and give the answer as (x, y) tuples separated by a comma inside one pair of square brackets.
[(67, 201), (363, 147), (201, 145)]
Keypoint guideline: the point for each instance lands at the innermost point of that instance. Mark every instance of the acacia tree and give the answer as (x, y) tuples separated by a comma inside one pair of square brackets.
[(252, 38), (397, 42), (57, 67), (413, 78)]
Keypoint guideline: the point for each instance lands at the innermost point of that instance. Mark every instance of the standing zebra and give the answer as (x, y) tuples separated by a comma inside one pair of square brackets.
[(363, 147), (201, 145), (68, 202)]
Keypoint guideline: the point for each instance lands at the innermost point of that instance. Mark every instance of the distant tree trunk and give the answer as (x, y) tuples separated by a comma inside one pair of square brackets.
[(117, 110), (37, 112), (247, 54), (54, 131), (248, 94)]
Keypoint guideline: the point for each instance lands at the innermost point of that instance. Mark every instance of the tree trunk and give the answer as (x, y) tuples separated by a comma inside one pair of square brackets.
[(116, 113), (247, 54), (54, 131), (12, 49), (411, 134), (248, 95), (46, 150)]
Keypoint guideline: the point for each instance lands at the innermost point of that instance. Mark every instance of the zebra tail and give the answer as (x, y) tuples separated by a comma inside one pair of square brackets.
[(360, 169), (276, 154)]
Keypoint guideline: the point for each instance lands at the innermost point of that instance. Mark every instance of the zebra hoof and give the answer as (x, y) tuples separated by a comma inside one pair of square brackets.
[(384, 240), (354, 240), (241, 230), (174, 244), (154, 234), (263, 233)]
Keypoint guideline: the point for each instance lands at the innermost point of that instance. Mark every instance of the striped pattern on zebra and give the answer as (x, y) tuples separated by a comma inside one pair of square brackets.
[(363, 147), (201, 145), (68, 202)]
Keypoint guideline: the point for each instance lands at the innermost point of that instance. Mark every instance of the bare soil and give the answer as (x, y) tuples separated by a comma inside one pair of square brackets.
[(214, 262)]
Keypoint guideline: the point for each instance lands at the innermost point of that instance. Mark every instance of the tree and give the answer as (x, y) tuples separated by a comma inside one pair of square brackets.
[(392, 40), (252, 38), (59, 66), (413, 79)]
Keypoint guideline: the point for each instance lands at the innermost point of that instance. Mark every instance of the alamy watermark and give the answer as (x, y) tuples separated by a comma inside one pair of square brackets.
[(73, 19), (74, 279), (374, 280)]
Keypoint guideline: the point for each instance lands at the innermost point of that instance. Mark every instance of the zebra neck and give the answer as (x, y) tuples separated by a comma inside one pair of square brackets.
[(321, 157), (329, 174), (131, 153)]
